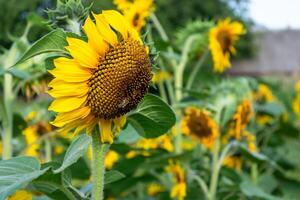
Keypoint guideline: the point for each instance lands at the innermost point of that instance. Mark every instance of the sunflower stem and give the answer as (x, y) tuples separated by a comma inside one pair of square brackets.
[(196, 69), (48, 150), (98, 168), (161, 31), (215, 171), (254, 173), (8, 98)]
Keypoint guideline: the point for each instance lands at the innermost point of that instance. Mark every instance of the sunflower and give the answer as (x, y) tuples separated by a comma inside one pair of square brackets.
[(222, 39), (154, 188), (135, 12), (179, 180), (297, 86), (241, 118), (105, 78), (32, 134), (199, 124), (160, 76), (263, 94), (296, 105), (21, 195), (234, 162)]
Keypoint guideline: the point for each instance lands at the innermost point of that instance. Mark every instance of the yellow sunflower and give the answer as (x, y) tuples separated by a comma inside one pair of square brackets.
[(200, 125), (105, 78), (234, 162), (222, 39), (154, 188), (160, 76), (297, 86), (296, 105), (241, 118), (263, 94), (179, 180), (135, 12), (21, 195), (32, 134)]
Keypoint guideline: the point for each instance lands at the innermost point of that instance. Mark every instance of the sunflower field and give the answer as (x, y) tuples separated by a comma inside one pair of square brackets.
[(134, 100)]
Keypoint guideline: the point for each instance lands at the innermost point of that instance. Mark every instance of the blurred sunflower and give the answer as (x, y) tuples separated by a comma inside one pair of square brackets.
[(160, 76), (32, 134), (222, 39), (241, 118), (135, 12), (154, 188), (106, 78), (179, 180), (163, 142), (251, 141), (111, 158), (21, 195), (200, 125), (297, 86), (234, 162), (296, 105), (263, 94), (1, 148)]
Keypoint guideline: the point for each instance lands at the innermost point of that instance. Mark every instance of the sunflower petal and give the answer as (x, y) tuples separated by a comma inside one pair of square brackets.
[(67, 104), (67, 117), (83, 53), (106, 134), (105, 30), (117, 21), (94, 38), (64, 89)]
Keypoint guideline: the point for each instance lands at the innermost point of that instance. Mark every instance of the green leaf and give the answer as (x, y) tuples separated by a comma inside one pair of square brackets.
[(76, 150), (270, 108), (15, 173), (54, 41), (113, 176), (21, 74), (153, 117), (252, 190)]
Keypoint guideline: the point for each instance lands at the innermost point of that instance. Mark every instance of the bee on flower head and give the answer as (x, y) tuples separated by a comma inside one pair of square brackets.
[(105, 78)]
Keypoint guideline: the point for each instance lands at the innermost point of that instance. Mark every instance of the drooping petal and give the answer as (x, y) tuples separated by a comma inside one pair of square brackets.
[(67, 104), (83, 53), (67, 117), (106, 134)]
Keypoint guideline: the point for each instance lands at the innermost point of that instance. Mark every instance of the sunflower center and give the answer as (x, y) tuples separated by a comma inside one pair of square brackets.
[(199, 125), (121, 80), (225, 41)]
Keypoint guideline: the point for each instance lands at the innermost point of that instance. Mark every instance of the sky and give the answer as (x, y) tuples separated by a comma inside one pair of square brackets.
[(276, 14)]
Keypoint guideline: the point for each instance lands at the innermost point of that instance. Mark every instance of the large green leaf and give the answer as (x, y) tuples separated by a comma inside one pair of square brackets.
[(54, 41), (15, 173), (76, 150), (153, 117), (251, 190)]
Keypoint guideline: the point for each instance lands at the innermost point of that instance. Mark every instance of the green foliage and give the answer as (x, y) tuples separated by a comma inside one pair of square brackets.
[(54, 41), (76, 150), (17, 172), (153, 117)]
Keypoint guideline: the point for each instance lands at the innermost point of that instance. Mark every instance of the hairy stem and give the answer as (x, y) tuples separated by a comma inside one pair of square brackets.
[(98, 168)]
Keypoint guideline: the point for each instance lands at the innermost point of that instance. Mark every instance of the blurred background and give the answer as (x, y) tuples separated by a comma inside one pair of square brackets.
[(271, 46)]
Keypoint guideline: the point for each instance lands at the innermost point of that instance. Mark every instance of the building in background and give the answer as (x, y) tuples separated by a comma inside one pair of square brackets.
[(278, 53)]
